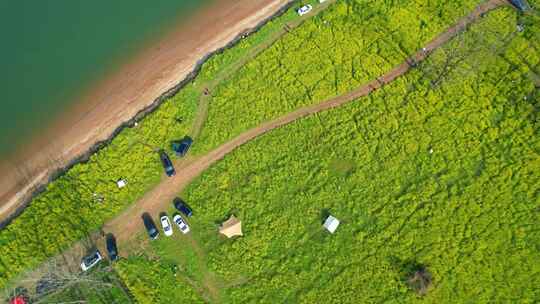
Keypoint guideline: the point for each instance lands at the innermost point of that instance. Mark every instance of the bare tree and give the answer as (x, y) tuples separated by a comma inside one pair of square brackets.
[(420, 280), (56, 277)]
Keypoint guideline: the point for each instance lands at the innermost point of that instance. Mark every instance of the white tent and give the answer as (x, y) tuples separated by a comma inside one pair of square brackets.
[(331, 224), (121, 183)]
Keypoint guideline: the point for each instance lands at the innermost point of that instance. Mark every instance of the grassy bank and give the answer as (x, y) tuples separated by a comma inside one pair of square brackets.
[(347, 45), (438, 169)]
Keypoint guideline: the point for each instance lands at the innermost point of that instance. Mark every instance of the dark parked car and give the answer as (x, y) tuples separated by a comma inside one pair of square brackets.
[(167, 163), (151, 228), (112, 250), (181, 206), (181, 147)]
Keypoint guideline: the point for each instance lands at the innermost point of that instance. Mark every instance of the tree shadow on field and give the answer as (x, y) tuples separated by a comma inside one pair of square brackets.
[(414, 274), (323, 215)]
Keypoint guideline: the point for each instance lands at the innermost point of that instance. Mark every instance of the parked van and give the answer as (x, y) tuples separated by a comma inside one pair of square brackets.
[(151, 228)]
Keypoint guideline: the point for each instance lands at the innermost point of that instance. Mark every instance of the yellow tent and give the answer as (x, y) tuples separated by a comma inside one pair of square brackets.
[(231, 227)]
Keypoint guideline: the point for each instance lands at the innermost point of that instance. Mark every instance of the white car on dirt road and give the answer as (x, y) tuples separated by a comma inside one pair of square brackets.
[(304, 9), (91, 260), (179, 221), (166, 224)]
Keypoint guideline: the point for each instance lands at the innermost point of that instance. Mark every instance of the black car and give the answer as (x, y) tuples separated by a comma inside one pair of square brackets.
[(182, 207), (167, 163), (151, 228), (112, 250), (181, 147)]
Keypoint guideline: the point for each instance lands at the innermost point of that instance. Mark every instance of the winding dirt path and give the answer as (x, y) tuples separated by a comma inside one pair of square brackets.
[(128, 223)]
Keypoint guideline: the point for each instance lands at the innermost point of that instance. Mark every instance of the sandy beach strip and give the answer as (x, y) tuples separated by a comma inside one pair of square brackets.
[(124, 93)]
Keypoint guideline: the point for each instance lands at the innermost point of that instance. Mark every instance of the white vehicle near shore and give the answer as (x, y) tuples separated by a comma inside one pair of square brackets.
[(304, 9), (179, 221), (91, 260), (166, 224)]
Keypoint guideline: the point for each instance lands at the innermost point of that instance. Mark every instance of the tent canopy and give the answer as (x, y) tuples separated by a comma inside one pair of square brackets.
[(331, 224), (121, 183), (231, 227)]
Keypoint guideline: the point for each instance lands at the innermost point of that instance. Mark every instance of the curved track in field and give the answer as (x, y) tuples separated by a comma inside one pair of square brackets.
[(127, 224)]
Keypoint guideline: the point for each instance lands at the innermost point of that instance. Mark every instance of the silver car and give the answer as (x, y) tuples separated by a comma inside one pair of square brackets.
[(91, 260), (166, 224), (179, 221)]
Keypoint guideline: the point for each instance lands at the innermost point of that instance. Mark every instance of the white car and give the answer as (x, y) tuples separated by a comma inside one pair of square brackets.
[(181, 224), (166, 224), (304, 9), (91, 260)]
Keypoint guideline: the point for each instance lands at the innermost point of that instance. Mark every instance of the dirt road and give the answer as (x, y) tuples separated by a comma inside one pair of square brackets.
[(128, 223), (209, 86)]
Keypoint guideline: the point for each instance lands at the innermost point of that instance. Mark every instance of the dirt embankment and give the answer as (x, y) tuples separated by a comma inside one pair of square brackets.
[(126, 96)]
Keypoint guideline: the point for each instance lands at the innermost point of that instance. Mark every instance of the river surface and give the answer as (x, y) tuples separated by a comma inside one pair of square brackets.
[(52, 50)]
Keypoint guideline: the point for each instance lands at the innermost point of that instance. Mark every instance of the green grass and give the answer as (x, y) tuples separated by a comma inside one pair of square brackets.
[(223, 61), (180, 254), (367, 163), (154, 281), (468, 211), (170, 270), (80, 201), (347, 45)]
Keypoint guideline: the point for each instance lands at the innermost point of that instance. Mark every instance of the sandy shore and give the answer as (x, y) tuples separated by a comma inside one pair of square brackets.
[(126, 92)]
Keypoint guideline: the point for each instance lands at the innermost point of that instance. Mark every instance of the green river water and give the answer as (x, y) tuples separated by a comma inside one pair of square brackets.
[(50, 50)]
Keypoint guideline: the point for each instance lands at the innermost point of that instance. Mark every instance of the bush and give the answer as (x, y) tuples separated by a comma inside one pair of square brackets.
[(419, 280), (154, 282)]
